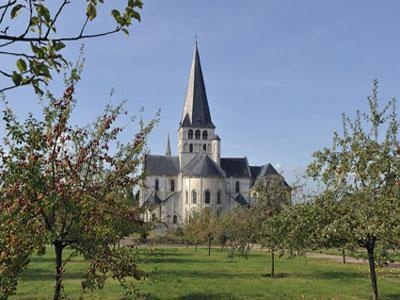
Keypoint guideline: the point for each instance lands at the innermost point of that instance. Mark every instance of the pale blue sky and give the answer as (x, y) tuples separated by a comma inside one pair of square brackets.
[(278, 73)]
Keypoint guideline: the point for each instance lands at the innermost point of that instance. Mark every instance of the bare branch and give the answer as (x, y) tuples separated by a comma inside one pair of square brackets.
[(16, 54), (5, 7), (56, 17), (8, 88), (42, 39), (84, 26), (5, 74)]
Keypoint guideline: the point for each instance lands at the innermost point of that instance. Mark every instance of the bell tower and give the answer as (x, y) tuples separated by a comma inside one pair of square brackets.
[(196, 130)]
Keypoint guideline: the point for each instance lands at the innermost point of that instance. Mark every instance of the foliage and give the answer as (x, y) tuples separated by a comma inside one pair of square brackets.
[(32, 25), (271, 195), (192, 230), (208, 226), (361, 171), (239, 228), (59, 185)]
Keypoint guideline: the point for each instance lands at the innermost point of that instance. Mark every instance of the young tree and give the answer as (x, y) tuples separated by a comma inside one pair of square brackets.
[(362, 170), (57, 186), (192, 230), (240, 230), (30, 32), (272, 194), (208, 224)]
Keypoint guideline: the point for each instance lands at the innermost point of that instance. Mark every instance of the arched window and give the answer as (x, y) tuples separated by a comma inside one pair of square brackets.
[(205, 134), (219, 197), (175, 219), (194, 197), (156, 185), (187, 197), (205, 147), (172, 185), (153, 217), (190, 134), (207, 197), (237, 189), (197, 134), (191, 148)]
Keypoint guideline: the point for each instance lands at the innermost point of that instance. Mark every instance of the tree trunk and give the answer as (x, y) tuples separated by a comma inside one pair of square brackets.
[(344, 255), (209, 246), (272, 263), (372, 271), (58, 249)]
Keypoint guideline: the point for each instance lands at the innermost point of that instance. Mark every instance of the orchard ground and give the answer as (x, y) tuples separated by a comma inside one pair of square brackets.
[(180, 273)]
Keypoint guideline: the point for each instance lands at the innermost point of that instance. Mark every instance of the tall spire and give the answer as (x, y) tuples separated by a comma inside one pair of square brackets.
[(196, 112), (168, 150)]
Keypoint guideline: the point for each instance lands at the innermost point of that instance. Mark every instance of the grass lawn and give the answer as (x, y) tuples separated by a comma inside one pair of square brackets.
[(183, 274)]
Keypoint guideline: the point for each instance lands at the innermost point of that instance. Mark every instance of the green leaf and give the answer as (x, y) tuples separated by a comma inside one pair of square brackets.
[(16, 78), (91, 12), (21, 65), (38, 51), (37, 89), (44, 12), (139, 4), (124, 30), (58, 46), (135, 15), (116, 14), (15, 10)]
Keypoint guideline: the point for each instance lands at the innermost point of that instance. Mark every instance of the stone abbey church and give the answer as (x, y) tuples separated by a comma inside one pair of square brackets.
[(198, 177)]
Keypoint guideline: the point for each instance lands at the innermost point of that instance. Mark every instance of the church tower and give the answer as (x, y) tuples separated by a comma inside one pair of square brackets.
[(196, 131)]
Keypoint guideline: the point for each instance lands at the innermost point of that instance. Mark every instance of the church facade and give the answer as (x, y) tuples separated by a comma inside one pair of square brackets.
[(198, 177)]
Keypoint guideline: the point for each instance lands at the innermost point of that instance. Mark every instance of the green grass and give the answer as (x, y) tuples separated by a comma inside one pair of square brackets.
[(183, 274)]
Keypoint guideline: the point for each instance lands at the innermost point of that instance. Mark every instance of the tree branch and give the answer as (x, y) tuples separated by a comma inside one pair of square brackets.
[(42, 39), (56, 17), (5, 7), (5, 74), (16, 54), (84, 26), (8, 88)]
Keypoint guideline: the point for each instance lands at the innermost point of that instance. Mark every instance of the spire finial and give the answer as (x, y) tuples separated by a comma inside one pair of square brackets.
[(168, 150)]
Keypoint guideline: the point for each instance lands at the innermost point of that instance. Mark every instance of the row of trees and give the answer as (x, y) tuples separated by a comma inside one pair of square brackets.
[(359, 206)]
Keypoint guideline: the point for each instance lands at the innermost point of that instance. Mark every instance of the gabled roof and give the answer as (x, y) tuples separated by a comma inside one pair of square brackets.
[(236, 167), (153, 200), (264, 171), (241, 200), (161, 165), (196, 112), (202, 165)]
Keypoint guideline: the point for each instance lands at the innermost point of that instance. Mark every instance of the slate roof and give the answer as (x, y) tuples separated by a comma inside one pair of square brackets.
[(203, 165), (161, 165), (153, 200), (262, 171), (196, 112), (241, 200), (236, 167)]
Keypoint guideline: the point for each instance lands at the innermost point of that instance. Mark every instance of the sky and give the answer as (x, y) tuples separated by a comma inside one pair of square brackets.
[(278, 73)]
